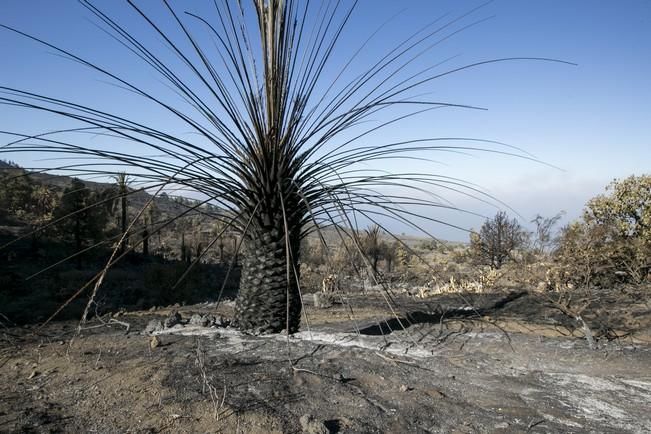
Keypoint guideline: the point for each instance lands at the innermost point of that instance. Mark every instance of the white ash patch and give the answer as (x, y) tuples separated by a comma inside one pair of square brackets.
[(645, 385), (375, 343), (561, 421), (189, 330), (593, 383), (598, 399)]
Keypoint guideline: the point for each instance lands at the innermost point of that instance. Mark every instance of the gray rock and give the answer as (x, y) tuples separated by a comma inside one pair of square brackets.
[(323, 300), (220, 321), (200, 320), (155, 325), (173, 319)]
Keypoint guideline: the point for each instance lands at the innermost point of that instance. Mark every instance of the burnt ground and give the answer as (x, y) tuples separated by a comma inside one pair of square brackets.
[(511, 363)]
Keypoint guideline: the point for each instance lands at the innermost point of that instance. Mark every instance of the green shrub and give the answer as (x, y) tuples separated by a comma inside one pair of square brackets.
[(612, 241)]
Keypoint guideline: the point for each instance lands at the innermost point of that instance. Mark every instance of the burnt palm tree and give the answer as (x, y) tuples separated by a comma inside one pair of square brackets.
[(122, 181), (372, 245), (280, 139)]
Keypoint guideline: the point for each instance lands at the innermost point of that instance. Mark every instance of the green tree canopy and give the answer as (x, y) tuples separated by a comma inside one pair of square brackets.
[(627, 206), (612, 242)]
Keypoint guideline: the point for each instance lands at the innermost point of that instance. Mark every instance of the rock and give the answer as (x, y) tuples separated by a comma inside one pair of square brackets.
[(435, 393), (220, 321), (322, 300), (200, 320), (310, 425), (173, 319), (155, 325), (209, 320), (154, 342)]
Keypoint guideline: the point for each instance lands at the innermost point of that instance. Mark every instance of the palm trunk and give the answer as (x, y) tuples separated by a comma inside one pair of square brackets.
[(269, 299), (123, 221), (145, 242), (78, 242), (268, 302)]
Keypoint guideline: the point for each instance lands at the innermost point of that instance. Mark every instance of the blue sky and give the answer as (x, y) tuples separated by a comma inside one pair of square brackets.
[(592, 120)]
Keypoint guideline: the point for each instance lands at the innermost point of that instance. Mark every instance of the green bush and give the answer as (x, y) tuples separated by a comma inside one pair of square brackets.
[(612, 241)]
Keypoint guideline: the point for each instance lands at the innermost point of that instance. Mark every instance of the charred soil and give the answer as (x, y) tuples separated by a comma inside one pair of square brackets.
[(510, 363)]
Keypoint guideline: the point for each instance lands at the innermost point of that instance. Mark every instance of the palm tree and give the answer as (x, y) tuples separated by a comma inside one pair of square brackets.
[(372, 245), (122, 180), (280, 145)]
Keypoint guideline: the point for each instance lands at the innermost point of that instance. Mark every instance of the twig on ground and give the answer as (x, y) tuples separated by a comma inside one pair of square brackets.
[(295, 369), (394, 360), (122, 323), (207, 383), (500, 328), (370, 400), (307, 371), (338, 378), (564, 305), (586, 331), (535, 423), (108, 324)]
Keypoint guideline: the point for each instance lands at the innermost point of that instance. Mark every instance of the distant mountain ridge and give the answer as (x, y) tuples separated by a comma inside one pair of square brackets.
[(136, 199)]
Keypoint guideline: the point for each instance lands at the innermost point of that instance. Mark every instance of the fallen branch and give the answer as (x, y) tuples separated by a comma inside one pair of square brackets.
[(108, 324), (122, 323), (535, 423), (586, 331)]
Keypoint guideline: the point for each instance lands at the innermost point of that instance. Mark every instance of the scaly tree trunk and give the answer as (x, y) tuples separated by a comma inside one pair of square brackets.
[(221, 251), (122, 181), (78, 241), (145, 242), (123, 220), (269, 299)]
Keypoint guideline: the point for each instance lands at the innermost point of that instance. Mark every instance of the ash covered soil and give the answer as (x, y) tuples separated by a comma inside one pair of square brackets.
[(509, 363)]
